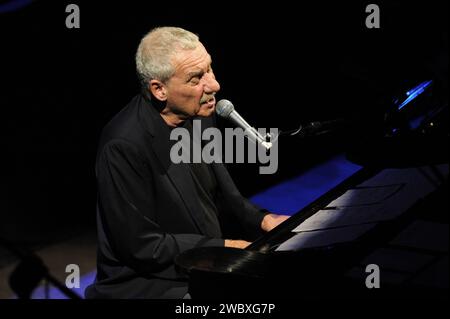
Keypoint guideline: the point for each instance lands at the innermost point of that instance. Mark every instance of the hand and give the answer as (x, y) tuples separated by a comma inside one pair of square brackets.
[(236, 243), (270, 221)]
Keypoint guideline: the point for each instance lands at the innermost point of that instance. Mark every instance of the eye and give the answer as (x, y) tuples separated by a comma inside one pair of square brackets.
[(195, 80)]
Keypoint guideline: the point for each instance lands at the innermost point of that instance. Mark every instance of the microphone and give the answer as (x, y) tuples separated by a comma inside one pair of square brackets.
[(225, 109)]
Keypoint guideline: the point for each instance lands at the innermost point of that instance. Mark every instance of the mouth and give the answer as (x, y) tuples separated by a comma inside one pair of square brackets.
[(210, 103)]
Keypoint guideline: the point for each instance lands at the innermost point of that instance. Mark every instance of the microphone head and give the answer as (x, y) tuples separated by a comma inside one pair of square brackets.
[(224, 108)]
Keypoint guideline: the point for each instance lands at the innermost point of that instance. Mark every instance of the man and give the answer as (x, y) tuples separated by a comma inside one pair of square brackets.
[(150, 209)]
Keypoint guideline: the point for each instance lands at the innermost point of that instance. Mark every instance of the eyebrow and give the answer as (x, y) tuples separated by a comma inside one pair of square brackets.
[(195, 73)]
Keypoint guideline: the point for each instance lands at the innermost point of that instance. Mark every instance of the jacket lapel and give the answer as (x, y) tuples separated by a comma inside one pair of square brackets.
[(178, 174)]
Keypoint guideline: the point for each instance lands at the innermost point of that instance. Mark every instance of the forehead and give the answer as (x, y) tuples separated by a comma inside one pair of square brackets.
[(186, 61)]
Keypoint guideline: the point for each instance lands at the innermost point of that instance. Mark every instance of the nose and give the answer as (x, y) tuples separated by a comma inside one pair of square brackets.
[(211, 84)]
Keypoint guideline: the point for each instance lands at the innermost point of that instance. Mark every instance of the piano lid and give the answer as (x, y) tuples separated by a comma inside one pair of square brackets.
[(414, 132)]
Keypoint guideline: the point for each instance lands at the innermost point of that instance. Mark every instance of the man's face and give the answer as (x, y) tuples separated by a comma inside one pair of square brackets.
[(190, 91)]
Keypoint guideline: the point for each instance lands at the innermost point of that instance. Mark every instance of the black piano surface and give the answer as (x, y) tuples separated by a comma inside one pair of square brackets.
[(410, 251)]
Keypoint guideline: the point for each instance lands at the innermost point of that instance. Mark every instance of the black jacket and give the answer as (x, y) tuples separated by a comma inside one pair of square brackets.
[(148, 211)]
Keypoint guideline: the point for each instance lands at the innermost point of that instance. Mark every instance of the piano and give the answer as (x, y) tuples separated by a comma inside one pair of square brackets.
[(381, 233)]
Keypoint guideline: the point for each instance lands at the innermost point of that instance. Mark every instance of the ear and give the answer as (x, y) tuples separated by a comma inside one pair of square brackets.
[(158, 89)]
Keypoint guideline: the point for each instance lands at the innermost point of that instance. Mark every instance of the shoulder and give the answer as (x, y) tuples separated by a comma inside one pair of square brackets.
[(124, 121), (126, 128)]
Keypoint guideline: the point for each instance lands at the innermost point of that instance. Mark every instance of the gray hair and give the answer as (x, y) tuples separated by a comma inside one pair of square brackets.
[(156, 50)]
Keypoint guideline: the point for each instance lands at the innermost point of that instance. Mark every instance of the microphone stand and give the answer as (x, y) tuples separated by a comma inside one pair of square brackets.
[(30, 271), (315, 128)]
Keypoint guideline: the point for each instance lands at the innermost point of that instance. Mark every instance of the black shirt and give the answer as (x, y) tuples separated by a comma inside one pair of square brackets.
[(206, 187)]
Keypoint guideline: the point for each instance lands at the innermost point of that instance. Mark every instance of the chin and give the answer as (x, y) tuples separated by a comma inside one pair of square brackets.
[(205, 112)]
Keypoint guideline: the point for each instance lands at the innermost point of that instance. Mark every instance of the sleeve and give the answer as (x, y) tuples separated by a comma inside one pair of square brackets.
[(125, 191), (232, 202)]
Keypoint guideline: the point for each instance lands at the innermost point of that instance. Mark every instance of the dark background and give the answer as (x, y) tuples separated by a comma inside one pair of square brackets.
[(282, 64)]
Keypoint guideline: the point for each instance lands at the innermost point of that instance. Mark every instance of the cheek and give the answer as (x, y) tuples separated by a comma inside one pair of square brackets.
[(194, 95)]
